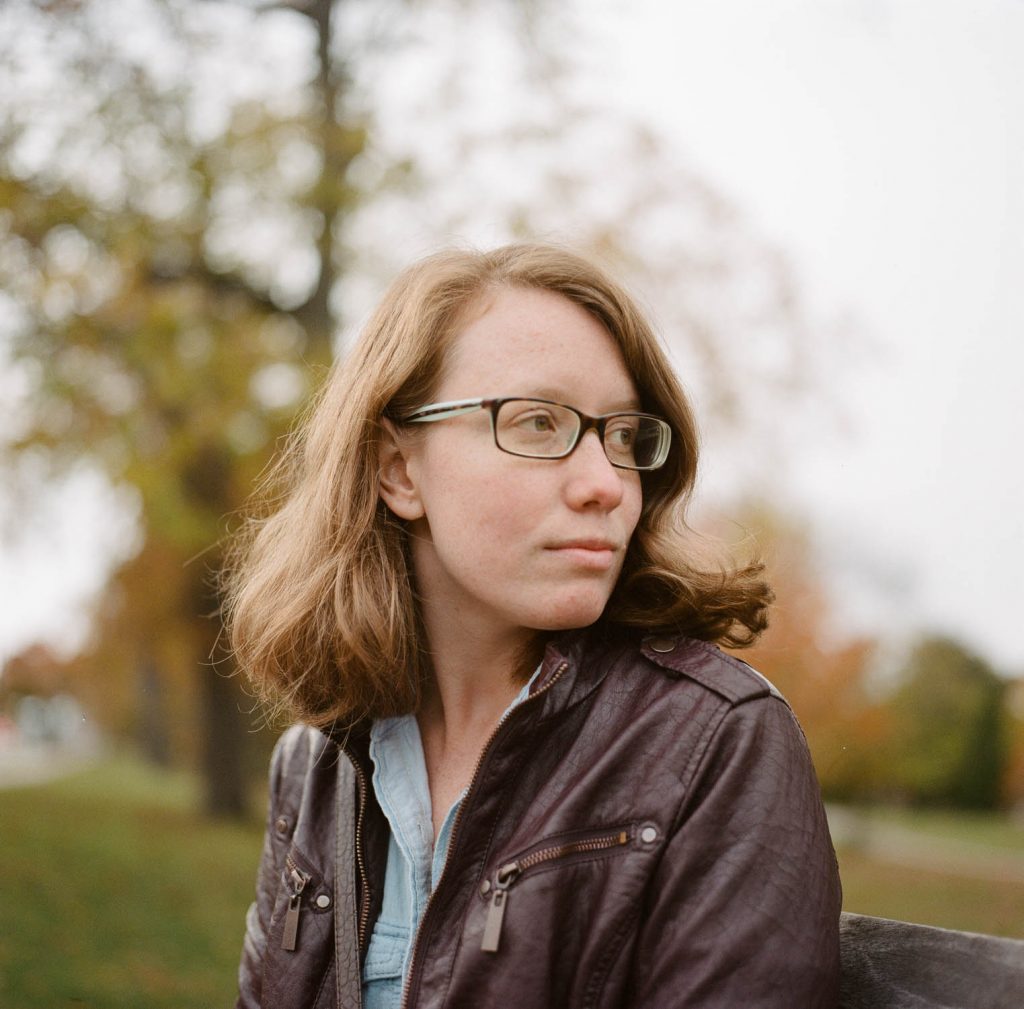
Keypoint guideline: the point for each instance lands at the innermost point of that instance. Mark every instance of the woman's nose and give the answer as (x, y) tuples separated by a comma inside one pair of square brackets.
[(593, 480)]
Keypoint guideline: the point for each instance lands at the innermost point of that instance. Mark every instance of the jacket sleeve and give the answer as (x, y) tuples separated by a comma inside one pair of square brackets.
[(275, 843), (744, 907)]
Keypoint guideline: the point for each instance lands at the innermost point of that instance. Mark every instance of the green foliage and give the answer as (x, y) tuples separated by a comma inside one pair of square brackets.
[(949, 744), (119, 895)]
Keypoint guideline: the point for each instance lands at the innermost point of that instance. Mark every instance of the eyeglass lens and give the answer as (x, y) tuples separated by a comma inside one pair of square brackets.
[(545, 430)]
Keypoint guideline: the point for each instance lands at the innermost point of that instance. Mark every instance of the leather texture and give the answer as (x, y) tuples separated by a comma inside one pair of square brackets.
[(723, 893)]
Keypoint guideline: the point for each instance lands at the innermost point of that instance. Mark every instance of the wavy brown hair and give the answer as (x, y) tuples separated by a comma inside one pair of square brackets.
[(320, 597)]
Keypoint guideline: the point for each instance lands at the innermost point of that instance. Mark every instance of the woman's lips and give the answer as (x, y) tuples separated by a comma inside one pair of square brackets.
[(597, 555)]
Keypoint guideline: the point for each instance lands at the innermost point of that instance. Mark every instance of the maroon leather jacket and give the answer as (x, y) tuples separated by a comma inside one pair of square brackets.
[(645, 830)]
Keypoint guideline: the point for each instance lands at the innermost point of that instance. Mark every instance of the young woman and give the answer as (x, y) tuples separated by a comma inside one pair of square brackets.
[(524, 774)]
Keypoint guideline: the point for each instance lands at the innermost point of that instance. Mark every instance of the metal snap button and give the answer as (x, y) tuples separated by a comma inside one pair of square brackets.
[(281, 826), (661, 645), (648, 835), (485, 887), (323, 900)]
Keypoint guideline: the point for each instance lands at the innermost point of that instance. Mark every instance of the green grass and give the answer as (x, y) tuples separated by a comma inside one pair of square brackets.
[(116, 893), (931, 898), (949, 868)]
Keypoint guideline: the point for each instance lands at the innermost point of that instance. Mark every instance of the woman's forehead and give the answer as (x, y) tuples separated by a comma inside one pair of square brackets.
[(537, 341)]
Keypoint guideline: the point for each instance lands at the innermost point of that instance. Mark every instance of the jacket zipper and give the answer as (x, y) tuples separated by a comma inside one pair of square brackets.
[(511, 871), (298, 879), (555, 676), (364, 904)]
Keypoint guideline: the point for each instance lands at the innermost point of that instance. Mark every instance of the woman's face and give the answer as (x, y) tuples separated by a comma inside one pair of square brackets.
[(501, 542)]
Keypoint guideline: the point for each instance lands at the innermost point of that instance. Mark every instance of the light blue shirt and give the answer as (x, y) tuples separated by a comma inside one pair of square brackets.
[(414, 863)]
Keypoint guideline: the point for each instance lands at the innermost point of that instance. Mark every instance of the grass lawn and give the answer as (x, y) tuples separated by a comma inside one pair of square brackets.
[(117, 894), (931, 898), (953, 869)]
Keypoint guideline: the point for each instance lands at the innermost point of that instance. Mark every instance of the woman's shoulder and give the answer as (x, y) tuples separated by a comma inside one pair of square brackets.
[(297, 746), (302, 752), (688, 696), (695, 665)]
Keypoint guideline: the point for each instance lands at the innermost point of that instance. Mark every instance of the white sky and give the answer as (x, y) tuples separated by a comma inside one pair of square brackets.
[(882, 145)]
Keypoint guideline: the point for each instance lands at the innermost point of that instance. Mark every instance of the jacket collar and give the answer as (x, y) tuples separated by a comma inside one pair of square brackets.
[(574, 665)]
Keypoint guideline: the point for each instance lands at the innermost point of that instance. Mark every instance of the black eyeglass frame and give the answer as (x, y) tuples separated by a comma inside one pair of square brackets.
[(457, 407)]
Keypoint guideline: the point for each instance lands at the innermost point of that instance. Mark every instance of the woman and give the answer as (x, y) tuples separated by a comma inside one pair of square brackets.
[(527, 775)]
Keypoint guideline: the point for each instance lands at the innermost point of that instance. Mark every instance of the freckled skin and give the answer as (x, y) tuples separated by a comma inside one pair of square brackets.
[(489, 547)]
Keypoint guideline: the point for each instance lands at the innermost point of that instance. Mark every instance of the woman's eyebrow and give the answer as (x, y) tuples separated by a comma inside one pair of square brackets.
[(628, 403)]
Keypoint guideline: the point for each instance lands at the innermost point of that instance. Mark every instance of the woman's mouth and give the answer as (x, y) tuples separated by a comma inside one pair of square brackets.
[(594, 554)]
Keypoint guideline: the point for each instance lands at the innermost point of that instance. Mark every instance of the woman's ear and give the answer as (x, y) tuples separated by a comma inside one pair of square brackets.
[(395, 484)]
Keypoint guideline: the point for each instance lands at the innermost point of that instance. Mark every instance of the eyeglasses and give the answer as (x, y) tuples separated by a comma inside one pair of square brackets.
[(540, 429)]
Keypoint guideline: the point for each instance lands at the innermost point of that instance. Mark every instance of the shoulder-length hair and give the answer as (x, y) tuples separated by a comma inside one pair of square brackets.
[(320, 596)]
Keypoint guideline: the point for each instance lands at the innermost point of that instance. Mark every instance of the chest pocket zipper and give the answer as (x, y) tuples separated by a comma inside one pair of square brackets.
[(297, 880), (510, 872)]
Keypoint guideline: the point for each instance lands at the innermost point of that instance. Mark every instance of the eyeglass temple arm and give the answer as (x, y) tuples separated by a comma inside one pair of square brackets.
[(442, 411)]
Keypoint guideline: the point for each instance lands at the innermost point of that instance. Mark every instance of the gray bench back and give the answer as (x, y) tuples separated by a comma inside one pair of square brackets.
[(896, 965)]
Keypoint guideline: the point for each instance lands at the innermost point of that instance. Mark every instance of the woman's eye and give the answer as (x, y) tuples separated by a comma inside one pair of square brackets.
[(621, 437), (539, 423)]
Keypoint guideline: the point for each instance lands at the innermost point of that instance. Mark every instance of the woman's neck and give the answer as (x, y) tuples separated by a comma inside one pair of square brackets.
[(474, 680)]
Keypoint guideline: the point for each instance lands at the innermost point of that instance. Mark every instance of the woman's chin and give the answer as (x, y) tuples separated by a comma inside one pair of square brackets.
[(565, 615)]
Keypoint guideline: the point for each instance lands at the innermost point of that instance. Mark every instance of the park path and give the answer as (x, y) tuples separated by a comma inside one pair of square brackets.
[(902, 845), (25, 764)]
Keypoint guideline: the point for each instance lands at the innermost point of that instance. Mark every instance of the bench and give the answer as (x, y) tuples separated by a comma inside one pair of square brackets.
[(898, 965)]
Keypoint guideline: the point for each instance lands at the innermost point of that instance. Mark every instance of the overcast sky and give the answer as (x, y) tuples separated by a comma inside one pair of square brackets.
[(882, 145)]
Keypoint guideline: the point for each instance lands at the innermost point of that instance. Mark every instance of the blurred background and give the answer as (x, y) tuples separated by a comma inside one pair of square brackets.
[(819, 201)]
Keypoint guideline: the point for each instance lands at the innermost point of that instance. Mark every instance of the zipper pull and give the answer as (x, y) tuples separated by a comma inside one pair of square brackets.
[(291, 917), (507, 875)]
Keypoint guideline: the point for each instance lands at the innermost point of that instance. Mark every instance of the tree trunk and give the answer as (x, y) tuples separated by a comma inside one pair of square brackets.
[(224, 740), (154, 739), (223, 723)]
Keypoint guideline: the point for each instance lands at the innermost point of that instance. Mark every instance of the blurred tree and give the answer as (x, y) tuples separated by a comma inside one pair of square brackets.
[(179, 193), (151, 346), (36, 671), (949, 745), (824, 676), (1013, 779), (935, 734)]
